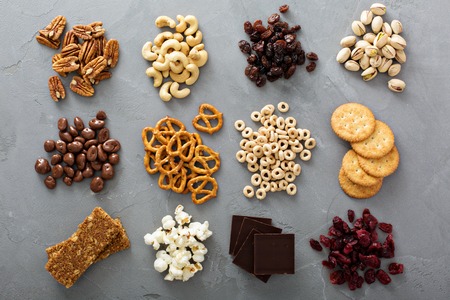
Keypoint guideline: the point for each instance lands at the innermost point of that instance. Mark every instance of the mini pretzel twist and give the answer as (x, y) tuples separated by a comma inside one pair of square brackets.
[(201, 188), (203, 155), (207, 118)]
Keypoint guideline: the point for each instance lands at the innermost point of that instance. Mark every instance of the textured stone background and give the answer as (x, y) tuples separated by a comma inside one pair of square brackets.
[(414, 199)]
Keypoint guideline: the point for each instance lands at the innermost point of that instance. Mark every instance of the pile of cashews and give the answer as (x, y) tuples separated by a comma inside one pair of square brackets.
[(175, 58)]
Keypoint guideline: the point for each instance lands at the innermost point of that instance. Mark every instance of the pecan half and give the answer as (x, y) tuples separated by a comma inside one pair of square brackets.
[(48, 42), (54, 30), (83, 31), (66, 64), (55, 58), (81, 87), (112, 52), (69, 38), (98, 30), (101, 43), (94, 67), (102, 76), (70, 50), (88, 51), (56, 88)]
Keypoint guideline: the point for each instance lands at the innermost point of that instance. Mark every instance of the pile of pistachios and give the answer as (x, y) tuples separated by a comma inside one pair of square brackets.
[(379, 51)]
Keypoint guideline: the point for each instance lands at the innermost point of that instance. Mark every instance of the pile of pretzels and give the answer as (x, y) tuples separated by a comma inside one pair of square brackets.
[(184, 164)]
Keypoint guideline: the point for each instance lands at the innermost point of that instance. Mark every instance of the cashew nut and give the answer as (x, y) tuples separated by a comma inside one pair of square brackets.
[(195, 72), (193, 41), (165, 73), (176, 67), (178, 93), (157, 76), (164, 21), (199, 47), (156, 49), (185, 48), (147, 52), (193, 25), (178, 36), (201, 60), (170, 44), (160, 38), (164, 91), (161, 66), (182, 26), (178, 56), (180, 78)]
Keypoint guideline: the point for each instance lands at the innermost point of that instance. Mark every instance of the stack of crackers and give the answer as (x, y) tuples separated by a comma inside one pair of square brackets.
[(373, 155), (97, 237)]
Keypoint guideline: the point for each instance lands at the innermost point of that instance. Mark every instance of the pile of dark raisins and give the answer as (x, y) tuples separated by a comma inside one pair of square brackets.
[(275, 51), (80, 152), (358, 248)]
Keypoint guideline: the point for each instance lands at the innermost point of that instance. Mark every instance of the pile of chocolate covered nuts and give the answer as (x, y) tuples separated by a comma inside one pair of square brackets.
[(81, 151)]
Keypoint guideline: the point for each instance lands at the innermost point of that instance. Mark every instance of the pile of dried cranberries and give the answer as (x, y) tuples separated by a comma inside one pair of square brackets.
[(358, 248), (274, 52)]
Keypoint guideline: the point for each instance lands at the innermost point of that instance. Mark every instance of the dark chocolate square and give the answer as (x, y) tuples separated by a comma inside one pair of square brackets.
[(274, 254), (244, 258), (247, 226), (236, 223)]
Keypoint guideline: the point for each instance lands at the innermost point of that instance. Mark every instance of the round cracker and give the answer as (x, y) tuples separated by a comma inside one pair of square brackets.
[(353, 122), (378, 144), (381, 167), (355, 190), (354, 172)]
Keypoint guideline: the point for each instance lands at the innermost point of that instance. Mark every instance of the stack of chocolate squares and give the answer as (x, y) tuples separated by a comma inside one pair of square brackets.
[(260, 248), (97, 237)]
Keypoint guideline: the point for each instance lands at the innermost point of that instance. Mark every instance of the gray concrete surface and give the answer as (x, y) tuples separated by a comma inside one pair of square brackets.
[(414, 199)]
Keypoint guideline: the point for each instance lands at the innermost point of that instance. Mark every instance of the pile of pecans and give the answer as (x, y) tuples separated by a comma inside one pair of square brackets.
[(81, 152), (275, 51), (184, 163), (178, 55), (358, 248), (92, 58), (378, 50), (270, 151)]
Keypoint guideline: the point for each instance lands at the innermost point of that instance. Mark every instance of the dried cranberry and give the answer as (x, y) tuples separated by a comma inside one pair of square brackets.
[(375, 247), (372, 261), (351, 215), (385, 227), (341, 258), (328, 264), (325, 241), (283, 8), (337, 277), (370, 221), (369, 276), (312, 56), (315, 245), (333, 231), (245, 47), (359, 282), (248, 27), (363, 237), (311, 67), (383, 277), (366, 211), (274, 18), (348, 249), (337, 244), (395, 268), (374, 236)]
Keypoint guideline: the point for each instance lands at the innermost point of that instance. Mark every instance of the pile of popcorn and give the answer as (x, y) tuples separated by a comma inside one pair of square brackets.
[(184, 252)]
